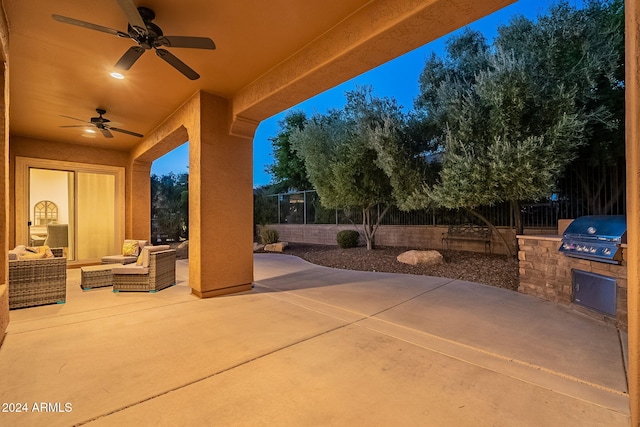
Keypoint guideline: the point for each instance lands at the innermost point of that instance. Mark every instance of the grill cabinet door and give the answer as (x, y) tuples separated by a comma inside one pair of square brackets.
[(595, 291)]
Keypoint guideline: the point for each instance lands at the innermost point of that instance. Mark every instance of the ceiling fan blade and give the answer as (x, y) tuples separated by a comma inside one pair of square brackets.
[(185, 41), (130, 57), (133, 16), (106, 133), (73, 118), (74, 126), (128, 132), (177, 64), (89, 25)]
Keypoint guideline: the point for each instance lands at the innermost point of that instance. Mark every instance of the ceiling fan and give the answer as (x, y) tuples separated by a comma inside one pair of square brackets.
[(102, 124), (148, 35)]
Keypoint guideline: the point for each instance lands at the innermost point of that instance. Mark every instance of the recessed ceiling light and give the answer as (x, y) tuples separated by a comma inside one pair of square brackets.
[(116, 75), (90, 130)]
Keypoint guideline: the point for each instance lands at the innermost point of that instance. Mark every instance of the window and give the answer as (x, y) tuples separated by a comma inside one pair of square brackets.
[(45, 212)]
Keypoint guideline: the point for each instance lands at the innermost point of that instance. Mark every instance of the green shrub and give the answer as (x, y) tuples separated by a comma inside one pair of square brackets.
[(348, 239), (267, 235)]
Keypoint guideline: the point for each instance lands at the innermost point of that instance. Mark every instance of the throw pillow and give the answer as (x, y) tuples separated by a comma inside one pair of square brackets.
[(130, 248), (46, 250)]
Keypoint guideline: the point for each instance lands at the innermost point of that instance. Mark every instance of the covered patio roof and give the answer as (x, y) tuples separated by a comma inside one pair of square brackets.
[(269, 56)]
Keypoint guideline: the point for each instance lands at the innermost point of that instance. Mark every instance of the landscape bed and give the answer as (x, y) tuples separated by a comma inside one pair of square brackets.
[(489, 269)]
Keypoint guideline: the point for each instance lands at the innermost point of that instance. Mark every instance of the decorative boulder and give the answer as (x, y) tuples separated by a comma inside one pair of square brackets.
[(257, 247), (421, 257), (276, 247)]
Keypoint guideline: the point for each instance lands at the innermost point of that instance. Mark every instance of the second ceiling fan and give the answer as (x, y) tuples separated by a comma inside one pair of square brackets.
[(148, 36), (102, 124)]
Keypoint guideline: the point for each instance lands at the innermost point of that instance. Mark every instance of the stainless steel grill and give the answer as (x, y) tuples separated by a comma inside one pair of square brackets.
[(596, 238)]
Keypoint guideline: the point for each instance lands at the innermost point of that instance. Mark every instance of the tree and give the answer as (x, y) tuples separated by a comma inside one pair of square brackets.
[(265, 205), (509, 119), (341, 161), (510, 140), (170, 205), (583, 50), (444, 78), (289, 171)]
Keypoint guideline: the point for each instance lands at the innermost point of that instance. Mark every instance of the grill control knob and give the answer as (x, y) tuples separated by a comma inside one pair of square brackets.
[(606, 251), (592, 250)]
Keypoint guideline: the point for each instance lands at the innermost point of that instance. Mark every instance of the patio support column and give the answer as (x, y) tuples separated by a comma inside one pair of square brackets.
[(5, 204), (632, 96), (220, 202), (138, 213)]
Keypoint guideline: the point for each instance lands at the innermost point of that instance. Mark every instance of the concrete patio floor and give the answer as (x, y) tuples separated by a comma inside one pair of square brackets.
[(312, 346)]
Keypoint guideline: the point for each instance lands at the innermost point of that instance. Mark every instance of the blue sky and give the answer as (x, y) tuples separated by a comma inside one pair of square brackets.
[(397, 78)]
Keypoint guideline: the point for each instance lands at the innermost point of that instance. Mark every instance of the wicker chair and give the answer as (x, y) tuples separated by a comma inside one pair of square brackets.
[(156, 272), (35, 282), (57, 236)]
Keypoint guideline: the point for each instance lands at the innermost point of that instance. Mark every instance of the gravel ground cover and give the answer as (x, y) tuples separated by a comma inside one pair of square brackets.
[(490, 269)]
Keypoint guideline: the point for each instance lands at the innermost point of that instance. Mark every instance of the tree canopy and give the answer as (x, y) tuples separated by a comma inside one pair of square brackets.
[(340, 159), (288, 170), (510, 117)]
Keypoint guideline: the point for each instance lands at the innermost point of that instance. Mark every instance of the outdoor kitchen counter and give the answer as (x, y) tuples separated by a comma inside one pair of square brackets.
[(546, 273), (549, 237)]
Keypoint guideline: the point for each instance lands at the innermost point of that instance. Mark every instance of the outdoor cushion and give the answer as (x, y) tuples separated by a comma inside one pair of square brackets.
[(118, 259), (130, 269), (36, 252), (29, 255)]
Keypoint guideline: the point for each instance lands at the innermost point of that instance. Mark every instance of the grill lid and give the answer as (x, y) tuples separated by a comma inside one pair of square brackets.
[(598, 227)]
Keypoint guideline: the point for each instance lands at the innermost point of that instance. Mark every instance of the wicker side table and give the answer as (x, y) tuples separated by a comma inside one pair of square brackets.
[(96, 276)]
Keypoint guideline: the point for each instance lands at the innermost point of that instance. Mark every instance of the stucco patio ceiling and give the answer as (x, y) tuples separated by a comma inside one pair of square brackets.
[(270, 55)]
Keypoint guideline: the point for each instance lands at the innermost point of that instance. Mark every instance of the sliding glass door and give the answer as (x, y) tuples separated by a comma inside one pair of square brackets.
[(81, 205)]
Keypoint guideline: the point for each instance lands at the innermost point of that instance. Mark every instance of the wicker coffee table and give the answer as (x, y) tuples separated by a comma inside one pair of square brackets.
[(96, 276)]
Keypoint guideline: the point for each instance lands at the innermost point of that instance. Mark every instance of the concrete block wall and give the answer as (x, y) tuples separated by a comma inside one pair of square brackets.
[(419, 237), (547, 274)]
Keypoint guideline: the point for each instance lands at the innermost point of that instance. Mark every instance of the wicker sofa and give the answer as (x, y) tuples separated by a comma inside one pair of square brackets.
[(155, 270), (35, 282)]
